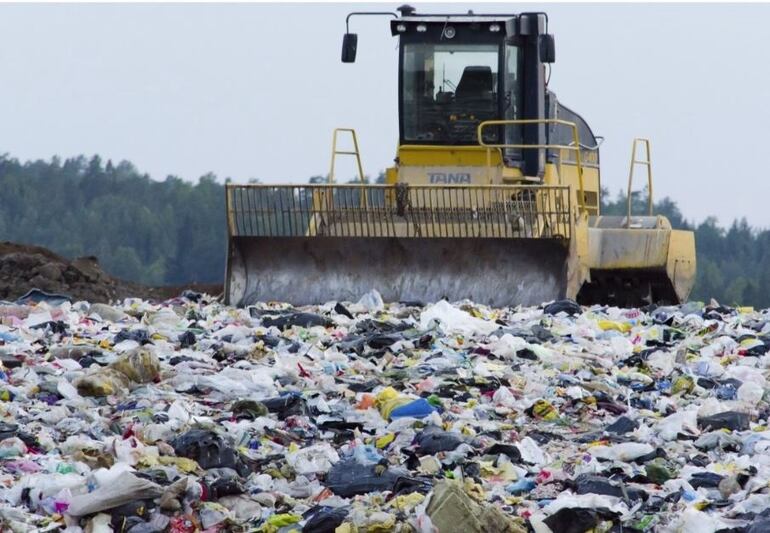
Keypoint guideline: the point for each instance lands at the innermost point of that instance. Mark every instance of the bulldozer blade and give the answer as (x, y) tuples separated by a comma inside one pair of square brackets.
[(311, 270)]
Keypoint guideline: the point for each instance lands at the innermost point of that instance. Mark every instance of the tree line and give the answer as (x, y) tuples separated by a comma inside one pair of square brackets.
[(154, 232), (173, 231)]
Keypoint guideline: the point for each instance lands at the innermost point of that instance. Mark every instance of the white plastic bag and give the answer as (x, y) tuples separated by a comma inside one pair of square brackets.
[(454, 320), (126, 488), (625, 451)]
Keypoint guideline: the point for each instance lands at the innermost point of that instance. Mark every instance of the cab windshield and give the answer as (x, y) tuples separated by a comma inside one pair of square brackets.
[(447, 90)]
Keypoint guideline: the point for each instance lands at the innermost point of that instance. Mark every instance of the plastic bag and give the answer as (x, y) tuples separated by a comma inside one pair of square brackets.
[(104, 382), (323, 519), (371, 301), (140, 365), (126, 488), (566, 306), (625, 451), (348, 478), (454, 320), (732, 420), (433, 440), (208, 449)]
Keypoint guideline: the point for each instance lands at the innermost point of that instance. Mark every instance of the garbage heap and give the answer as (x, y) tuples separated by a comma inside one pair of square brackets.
[(365, 417)]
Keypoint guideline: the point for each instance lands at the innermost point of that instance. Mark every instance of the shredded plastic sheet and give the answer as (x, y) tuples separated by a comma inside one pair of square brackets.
[(188, 415)]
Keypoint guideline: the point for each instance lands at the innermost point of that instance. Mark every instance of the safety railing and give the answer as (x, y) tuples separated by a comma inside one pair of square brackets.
[(401, 210), (575, 146), (355, 152), (647, 162)]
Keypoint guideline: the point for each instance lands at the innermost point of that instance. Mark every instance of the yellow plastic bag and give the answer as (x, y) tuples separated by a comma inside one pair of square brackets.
[(623, 327), (104, 382), (544, 410), (140, 365), (389, 399)]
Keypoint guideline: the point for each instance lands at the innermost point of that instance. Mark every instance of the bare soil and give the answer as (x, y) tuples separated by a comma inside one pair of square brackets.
[(24, 267)]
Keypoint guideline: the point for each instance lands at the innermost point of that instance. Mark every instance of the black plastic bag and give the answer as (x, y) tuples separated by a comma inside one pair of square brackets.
[(324, 519), (304, 320), (568, 306), (350, 478), (732, 420)]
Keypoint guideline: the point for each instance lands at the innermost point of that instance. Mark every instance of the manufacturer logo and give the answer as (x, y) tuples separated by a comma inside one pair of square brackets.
[(449, 177)]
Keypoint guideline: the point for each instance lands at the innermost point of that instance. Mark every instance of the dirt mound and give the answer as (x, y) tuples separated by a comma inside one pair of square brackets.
[(24, 267)]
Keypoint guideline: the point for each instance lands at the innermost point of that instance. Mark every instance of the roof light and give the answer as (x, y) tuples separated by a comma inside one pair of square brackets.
[(401, 28), (422, 28), (449, 32), (494, 27)]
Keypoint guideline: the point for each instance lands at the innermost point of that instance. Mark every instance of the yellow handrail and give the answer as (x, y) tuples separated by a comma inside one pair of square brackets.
[(575, 147), (388, 186), (355, 152), (648, 163), (400, 210)]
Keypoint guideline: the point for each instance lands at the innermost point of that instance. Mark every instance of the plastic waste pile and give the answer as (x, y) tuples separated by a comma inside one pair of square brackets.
[(371, 417)]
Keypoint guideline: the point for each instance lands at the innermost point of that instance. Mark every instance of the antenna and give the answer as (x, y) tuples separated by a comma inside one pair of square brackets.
[(443, 76)]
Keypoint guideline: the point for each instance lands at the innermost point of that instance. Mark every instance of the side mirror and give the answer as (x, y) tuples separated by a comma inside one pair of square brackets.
[(349, 47), (547, 48)]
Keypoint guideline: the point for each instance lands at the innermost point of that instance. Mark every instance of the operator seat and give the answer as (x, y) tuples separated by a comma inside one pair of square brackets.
[(476, 83)]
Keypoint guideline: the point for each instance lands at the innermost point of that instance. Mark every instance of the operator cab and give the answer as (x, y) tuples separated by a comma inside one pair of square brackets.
[(454, 74), (457, 71)]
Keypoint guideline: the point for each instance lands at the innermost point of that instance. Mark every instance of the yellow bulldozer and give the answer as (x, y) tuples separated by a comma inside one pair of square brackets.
[(494, 196)]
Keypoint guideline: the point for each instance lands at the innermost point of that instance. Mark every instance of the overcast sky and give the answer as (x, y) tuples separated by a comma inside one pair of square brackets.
[(254, 91)]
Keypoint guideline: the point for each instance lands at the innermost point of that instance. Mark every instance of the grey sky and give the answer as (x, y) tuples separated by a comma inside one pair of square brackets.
[(254, 91)]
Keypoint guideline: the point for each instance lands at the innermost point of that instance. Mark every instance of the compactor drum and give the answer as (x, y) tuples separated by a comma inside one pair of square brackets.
[(495, 194)]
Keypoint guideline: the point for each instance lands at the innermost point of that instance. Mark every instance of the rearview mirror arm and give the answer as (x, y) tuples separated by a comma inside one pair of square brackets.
[(347, 19)]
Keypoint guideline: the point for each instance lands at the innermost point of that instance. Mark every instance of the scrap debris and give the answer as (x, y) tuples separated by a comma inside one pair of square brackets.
[(189, 415)]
